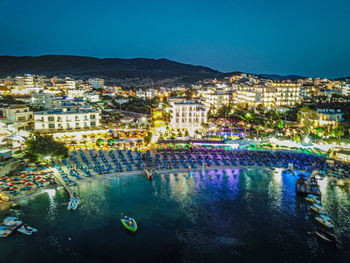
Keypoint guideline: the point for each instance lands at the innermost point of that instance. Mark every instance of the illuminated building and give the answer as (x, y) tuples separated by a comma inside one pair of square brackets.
[(215, 98), (97, 83), (45, 100), (69, 117), (286, 94), (188, 115), (271, 95), (343, 155), (329, 117), (322, 117), (18, 113)]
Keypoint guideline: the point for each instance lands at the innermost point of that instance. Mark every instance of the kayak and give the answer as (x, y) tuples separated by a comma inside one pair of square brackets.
[(27, 230), (129, 223)]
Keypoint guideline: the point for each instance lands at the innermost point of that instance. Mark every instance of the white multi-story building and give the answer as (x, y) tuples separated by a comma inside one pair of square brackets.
[(91, 97), (151, 93), (286, 94), (140, 93), (188, 115), (75, 93), (18, 113), (215, 98), (253, 96), (271, 95), (46, 100), (97, 83), (72, 117), (345, 89), (70, 84)]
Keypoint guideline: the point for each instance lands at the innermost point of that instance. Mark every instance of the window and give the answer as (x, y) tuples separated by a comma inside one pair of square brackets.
[(77, 124), (51, 118), (51, 126), (93, 123), (76, 118), (92, 117)]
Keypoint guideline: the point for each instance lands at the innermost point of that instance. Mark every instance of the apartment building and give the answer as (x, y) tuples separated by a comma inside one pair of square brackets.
[(18, 113), (69, 117), (188, 115)]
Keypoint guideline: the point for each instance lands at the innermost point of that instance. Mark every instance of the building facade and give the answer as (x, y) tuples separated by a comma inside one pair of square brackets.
[(67, 118), (18, 113), (188, 115)]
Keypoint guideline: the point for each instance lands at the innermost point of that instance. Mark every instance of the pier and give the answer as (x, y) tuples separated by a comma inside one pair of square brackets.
[(74, 200), (148, 172)]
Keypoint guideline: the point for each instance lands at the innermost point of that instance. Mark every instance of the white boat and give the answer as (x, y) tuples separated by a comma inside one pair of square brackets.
[(318, 208), (73, 203), (324, 220), (327, 236), (313, 198), (12, 221), (27, 230), (5, 231)]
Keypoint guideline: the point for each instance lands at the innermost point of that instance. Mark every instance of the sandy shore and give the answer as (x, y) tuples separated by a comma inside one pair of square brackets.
[(36, 191)]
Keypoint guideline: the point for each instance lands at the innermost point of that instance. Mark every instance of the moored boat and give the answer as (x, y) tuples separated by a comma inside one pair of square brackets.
[(5, 231), (312, 198), (27, 230), (73, 203), (129, 223), (12, 221), (327, 236), (318, 208), (324, 220)]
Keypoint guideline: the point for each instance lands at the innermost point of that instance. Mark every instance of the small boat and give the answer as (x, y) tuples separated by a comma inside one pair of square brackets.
[(129, 223), (73, 203), (27, 230), (318, 208), (12, 221), (312, 198), (324, 220), (5, 232), (327, 236), (148, 173)]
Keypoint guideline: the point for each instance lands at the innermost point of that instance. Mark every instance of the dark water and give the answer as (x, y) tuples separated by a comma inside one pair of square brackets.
[(226, 215)]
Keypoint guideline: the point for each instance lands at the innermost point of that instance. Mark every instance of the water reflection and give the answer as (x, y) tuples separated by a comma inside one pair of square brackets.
[(218, 215)]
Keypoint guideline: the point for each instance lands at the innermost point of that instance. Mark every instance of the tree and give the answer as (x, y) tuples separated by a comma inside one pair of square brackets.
[(297, 138), (307, 119), (339, 131), (39, 147), (186, 133), (148, 137)]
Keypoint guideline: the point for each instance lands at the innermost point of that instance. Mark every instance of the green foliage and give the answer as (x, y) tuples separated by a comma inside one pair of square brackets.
[(186, 133), (297, 138), (40, 146), (148, 138), (138, 105)]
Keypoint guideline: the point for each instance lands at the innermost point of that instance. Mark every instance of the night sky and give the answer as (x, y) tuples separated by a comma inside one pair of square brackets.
[(305, 37)]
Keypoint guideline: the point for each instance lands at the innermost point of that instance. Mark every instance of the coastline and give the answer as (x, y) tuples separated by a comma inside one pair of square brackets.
[(5, 206)]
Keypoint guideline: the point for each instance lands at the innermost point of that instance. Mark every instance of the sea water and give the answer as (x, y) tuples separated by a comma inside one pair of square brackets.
[(225, 215)]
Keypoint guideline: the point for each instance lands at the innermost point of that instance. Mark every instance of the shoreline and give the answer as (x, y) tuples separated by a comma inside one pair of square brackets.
[(5, 206), (114, 175)]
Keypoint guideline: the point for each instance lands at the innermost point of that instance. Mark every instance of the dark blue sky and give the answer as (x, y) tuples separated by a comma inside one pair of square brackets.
[(306, 37)]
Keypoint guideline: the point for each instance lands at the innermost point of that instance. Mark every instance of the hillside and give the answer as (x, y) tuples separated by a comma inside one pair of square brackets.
[(138, 72)]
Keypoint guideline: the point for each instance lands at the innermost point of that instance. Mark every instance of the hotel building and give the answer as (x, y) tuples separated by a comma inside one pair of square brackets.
[(69, 117), (188, 115)]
